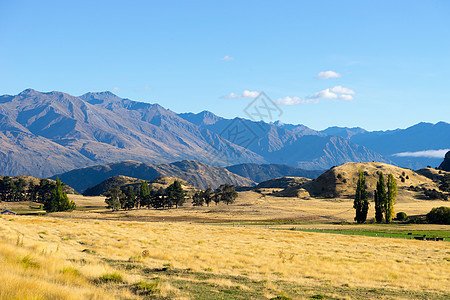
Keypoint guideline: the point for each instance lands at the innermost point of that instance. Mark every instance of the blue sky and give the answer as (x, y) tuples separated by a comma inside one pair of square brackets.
[(390, 59)]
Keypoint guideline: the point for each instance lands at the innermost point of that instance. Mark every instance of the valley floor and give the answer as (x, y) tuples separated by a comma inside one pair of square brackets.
[(240, 251)]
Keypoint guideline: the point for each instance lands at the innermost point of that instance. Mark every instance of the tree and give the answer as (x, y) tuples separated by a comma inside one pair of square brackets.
[(159, 199), (176, 194), (113, 198), (391, 198), (361, 203), (7, 189), (198, 199), (59, 201), (130, 198), (144, 195), (380, 199), (225, 193), (32, 191), (207, 195), (19, 192), (217, 196), (439, 215), (45, 190)]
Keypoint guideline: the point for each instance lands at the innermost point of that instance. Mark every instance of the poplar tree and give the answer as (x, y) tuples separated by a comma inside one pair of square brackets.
[(361, 203), (391, 198), (380, 199)]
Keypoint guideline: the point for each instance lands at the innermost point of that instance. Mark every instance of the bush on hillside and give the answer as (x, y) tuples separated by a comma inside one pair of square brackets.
[(401, 216), (439, 215)]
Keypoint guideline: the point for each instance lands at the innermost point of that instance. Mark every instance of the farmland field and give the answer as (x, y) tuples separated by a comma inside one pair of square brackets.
[(241, 251)]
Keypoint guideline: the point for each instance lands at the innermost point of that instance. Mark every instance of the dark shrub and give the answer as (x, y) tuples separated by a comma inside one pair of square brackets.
[(439, 215), (401, 216)]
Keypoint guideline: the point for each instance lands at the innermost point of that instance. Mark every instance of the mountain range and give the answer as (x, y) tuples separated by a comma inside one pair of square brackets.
[(43, 134)]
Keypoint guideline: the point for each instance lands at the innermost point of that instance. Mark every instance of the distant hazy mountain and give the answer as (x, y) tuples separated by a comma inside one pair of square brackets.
[(196, 173), (420, 137), (46, 133), (345, 132), (42, 134), (260, 173), (294, 145)]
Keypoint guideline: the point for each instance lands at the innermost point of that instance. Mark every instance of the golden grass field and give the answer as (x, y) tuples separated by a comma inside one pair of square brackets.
[(95, 254)]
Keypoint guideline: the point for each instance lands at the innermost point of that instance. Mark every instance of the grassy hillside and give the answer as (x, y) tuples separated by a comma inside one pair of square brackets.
[(341, 181)]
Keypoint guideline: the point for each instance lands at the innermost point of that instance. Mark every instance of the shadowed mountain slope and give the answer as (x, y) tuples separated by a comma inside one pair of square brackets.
[(195, 173), (161, 182), (445, 165), (278, 143), (260, 173)]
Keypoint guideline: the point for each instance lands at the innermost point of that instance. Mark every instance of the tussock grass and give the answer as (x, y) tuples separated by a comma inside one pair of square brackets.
[(234, 261)]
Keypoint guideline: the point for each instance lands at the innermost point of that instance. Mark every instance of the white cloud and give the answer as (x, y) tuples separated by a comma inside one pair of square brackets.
[(426, 153), (147, 88), (227, 58), (245, 94), (337, 92), (295, 100), (115, 89), (328, 74), (342, 90)]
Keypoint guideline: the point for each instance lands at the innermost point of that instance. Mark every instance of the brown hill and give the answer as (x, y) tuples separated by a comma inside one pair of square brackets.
[(283, 183), (116, 181), (341, 181), (35, 180), (196, 173), (161, 182)]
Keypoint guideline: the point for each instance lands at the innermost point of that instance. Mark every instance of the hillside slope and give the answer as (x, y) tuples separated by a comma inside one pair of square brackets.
[(341, 181), (161, 182), (195, 173), (260, 173)]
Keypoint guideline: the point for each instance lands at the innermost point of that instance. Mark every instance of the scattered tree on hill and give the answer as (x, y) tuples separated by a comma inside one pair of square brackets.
[(7, 189), (445, 183), (144, 195), (176, 194), (45, 190), (198, 199), (113, 198), (59, 200), (380, 199), (32, 191), (130, 198), (391, 198), (20, 190), (361, 203), (217, 196), (159, 199), (207, 195), (439, 215), (226, 193)]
